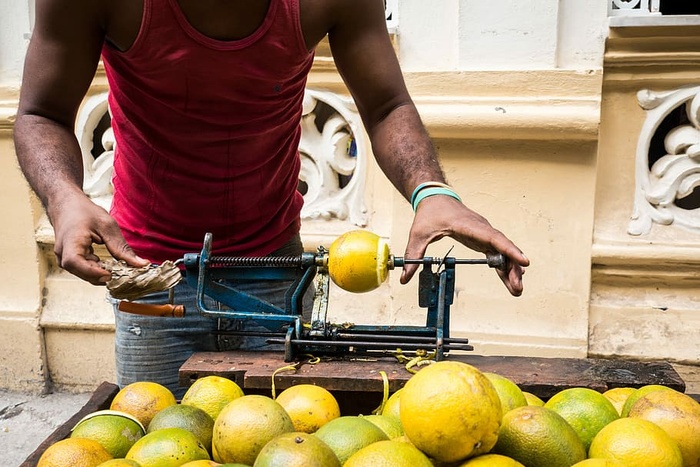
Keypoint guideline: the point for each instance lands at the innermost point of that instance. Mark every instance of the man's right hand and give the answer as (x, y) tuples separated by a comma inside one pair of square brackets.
[(78, 225)]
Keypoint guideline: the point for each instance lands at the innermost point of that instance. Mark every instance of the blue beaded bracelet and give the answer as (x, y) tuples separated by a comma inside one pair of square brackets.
[(432, 191)]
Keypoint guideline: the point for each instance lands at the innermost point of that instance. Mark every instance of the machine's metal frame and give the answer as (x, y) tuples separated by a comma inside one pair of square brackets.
[(215, 277)]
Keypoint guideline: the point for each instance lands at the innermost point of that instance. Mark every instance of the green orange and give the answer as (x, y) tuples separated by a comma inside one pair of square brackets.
[(116, 431), (586, 410), (539, 437), (348, 434), (509, 393), (168, 447)]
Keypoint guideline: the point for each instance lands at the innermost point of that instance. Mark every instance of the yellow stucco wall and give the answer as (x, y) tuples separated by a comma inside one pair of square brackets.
[(534, 151), (21, 268), (520, 148), (644, 297)]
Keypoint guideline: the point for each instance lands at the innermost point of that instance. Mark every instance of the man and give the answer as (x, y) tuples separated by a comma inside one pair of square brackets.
[(206, 99)]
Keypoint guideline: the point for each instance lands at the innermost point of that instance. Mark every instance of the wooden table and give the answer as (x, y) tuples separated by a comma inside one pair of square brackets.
[(358, 383)]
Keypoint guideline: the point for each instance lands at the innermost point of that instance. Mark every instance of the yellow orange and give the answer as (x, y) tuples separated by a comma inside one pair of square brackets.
[(636, 442), (392, 406), (640, 392), (389, 453), (119, 463), (211, 393), (201, 463), (678, 415), (309, 406), (532, 399), (618, 397), (245, 426), (598, 463), (296, 449), (450, 411), (391, 426), (143, 399), (74, 452), (491, 460)]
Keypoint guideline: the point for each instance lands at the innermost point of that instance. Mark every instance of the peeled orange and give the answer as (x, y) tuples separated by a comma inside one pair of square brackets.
[(358, 261)]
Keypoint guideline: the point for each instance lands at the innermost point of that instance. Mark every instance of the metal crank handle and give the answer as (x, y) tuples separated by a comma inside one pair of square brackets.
[(359, 261), (146, 309), (493, 260), (497, 261)]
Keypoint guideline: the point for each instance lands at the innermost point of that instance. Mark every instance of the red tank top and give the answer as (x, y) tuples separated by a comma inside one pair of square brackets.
[(207, 134)]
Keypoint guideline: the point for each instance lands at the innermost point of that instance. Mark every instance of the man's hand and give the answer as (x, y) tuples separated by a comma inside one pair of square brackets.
[(443, 216), (80, 223)]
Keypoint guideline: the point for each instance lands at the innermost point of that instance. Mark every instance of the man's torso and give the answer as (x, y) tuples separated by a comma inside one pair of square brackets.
[(224, 20), (206, 116)]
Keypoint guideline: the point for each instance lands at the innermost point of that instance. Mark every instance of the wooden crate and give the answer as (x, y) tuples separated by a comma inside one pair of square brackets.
[(358, 385), (100, 400)]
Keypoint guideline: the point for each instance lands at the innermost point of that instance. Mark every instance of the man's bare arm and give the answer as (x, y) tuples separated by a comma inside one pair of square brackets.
[(61, 61), (365, 58)]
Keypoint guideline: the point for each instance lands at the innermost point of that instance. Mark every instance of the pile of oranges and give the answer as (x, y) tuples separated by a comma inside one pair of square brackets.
[(449, 414)]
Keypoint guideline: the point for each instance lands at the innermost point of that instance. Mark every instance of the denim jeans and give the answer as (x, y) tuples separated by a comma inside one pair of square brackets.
[(154, 348)]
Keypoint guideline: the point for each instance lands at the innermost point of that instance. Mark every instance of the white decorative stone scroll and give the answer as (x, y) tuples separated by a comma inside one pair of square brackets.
[(633, 7), (672, 176), (334, 150), (391, 13), (97, 179)]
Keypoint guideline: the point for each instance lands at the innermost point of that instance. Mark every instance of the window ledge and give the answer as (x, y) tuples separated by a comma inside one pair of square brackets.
[(653, 21)]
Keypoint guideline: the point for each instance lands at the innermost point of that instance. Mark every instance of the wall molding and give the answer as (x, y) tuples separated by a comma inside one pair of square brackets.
[(519, 105), (530, 105), (647, 51), (649, 263), (510, 119), (8, 114)]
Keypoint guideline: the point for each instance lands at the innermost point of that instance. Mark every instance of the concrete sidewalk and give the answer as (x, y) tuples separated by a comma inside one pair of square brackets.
[(27, 420)]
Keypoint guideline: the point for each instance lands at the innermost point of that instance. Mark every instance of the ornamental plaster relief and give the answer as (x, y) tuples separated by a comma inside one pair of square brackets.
[(664, 183), (633, 7)]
